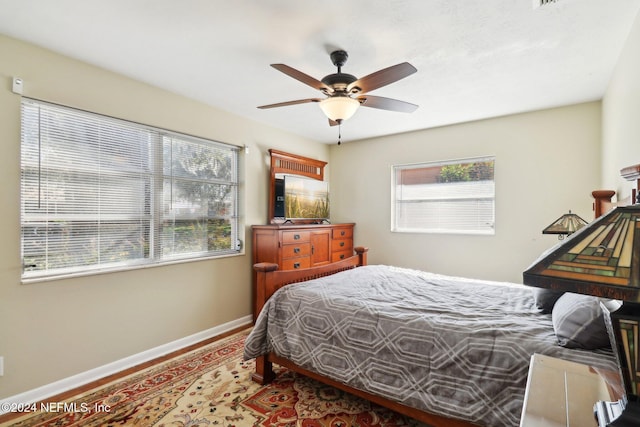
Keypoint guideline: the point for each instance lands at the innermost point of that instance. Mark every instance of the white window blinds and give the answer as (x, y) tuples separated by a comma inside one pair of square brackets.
[(445, 197), (101, 193)]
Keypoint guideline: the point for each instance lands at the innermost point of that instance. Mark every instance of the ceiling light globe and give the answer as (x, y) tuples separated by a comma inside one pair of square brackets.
[(339, 108)]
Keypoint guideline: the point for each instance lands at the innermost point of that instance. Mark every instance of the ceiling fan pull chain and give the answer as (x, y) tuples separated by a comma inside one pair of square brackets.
[(340, 133)]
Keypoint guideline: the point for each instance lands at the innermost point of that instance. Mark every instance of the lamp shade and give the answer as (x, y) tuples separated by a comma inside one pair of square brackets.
[(566, 224), (339, 108)]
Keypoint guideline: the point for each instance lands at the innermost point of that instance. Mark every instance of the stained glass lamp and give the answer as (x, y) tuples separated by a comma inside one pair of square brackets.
[(566, 225), (603, 260)]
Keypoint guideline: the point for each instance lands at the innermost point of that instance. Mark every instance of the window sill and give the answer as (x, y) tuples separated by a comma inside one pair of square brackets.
[(30, 280)]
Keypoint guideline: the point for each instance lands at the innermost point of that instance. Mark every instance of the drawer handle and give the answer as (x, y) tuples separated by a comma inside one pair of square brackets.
[(296, 250), (296, 265), (342, 233), (341, 256), (341, 243), (296, 237)]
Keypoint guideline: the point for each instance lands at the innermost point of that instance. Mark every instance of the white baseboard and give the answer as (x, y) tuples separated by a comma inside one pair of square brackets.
[(91, 375)]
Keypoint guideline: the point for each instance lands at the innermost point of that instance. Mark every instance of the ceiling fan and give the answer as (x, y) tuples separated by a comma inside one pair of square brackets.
[(345, 92)]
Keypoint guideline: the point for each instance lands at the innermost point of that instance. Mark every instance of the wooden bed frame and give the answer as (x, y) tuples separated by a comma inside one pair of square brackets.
[(270, 279)]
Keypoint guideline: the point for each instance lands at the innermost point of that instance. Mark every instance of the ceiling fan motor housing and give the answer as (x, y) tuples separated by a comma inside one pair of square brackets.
[(339, 81)]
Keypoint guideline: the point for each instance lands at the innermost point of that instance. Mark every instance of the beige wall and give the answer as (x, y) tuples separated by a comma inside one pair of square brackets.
[(621, 117), (51, 330), (547, 162)]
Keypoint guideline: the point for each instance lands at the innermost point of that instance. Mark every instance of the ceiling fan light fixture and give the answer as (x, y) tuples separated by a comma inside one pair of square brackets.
[(339, 108)]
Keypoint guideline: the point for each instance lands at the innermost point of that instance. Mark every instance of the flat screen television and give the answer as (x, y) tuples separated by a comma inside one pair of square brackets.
[(305, 198)]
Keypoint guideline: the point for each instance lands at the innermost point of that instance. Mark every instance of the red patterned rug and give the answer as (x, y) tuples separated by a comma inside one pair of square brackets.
[(210, 386)]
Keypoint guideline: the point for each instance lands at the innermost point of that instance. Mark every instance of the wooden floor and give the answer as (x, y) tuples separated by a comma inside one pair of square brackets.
[(102, 381)]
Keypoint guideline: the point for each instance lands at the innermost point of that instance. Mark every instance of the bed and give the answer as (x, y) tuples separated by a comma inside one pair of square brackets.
[(447, 351)]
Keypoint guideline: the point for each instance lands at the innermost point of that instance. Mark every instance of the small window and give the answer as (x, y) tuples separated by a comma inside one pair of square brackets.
[(444, 197), (99, 193)]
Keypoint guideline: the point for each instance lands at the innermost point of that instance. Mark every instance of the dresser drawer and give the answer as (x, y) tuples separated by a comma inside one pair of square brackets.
[(342, 233), (341, 245), (295, 237), (296, 250), (339, 256), (296, 263)]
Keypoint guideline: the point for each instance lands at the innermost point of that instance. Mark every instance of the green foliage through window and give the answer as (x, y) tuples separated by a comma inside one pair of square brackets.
[(459, 172)]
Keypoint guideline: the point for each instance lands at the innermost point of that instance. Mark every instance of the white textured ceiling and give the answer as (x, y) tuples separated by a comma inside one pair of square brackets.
[(475, 59)]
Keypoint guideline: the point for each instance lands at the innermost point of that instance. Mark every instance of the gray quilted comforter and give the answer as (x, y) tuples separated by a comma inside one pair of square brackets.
[(454, 347)]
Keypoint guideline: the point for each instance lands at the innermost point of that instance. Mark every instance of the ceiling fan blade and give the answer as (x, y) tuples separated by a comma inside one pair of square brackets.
[(381, 78), (333, 123), (302, 77), (386, 104), (284, 104)]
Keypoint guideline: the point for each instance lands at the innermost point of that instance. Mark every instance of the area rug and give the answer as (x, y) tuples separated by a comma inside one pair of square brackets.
[(211, 386)]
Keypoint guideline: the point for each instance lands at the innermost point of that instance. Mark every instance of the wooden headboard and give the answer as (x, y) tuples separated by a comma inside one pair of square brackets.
[(603, 204)]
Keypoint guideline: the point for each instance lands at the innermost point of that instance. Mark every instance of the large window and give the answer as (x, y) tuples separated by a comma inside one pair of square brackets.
[(445, 197), (100, 193)]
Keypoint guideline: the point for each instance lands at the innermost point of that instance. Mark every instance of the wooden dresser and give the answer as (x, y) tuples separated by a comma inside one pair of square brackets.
[(301, 246)]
